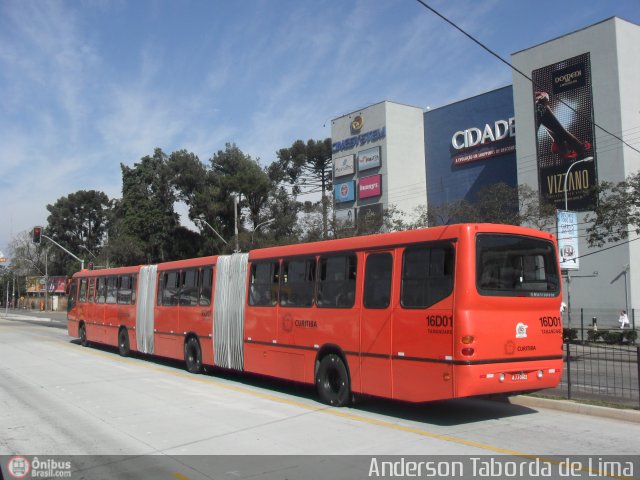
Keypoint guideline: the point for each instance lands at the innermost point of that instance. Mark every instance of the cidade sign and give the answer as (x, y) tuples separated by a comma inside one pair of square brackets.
[(474, 136)]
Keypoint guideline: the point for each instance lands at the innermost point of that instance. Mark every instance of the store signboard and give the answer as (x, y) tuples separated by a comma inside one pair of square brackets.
[(369, 158), (345, 192), (344, 166), (370, 186)]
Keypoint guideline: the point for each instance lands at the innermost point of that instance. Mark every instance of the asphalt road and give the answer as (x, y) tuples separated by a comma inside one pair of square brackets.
[(58, 398)]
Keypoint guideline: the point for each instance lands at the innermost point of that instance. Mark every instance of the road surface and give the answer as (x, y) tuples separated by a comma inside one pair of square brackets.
[(58, 398)]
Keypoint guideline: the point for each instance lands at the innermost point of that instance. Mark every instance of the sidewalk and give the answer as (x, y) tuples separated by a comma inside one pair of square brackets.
[(570, 406)]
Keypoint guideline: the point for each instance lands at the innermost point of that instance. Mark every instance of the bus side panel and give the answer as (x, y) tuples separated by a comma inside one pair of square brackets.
[(260, 332), (168, 341), (111, 324), (421, 353)]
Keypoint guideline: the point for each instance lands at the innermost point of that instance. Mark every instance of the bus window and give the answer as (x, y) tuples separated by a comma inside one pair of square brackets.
[(510, 265), (171, 288), (101, 290), (206, 279), (189, 290), (337, 282), (112, 289), (92, 289), (82, 296), (377, 280), (298, 281), (263, 290), (125, 291), (134, 284), (71, 302), (427, 275)]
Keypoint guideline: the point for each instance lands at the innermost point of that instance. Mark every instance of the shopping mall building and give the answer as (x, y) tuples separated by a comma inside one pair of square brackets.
[(581, 101)]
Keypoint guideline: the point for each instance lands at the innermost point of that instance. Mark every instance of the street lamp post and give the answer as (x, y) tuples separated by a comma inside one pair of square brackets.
[(266, 222), (566, 208), (213, 230)]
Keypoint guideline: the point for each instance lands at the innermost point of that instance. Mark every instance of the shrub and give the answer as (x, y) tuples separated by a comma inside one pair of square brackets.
[(631, 336), (593, 335), (611, 338), (569, 334)]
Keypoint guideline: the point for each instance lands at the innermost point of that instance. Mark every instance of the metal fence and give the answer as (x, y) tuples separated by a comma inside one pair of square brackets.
[(601, 360)]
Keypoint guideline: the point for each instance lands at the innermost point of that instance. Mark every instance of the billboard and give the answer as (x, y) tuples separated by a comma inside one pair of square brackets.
[(369, 158), (370, 186), (563, 109), (345, 192), (346, 216), (344, 166), (54, 284), (370, 216)]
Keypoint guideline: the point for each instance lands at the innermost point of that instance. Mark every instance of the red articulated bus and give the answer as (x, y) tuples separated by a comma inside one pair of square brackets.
[(437, 313)]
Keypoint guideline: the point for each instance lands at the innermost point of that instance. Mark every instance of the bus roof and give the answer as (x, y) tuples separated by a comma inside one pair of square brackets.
[(445, 232)]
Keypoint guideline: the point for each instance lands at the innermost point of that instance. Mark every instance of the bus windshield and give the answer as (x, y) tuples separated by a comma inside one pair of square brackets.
[(512, 266)]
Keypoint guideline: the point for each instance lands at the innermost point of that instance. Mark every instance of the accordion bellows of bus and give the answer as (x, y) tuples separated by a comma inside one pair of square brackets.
[(437, 313)]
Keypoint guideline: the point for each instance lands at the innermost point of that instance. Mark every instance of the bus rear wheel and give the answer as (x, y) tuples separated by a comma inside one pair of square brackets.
[(332, 381), (123, 343), (82, 333), (193, 355)]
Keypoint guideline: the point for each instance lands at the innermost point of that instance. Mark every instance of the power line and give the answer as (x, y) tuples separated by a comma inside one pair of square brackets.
[(515, 69)]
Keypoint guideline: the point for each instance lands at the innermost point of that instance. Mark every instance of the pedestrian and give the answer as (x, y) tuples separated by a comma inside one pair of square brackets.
[(624, 320)]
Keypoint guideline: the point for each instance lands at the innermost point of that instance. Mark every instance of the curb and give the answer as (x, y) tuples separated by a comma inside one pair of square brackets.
[(570, 406)]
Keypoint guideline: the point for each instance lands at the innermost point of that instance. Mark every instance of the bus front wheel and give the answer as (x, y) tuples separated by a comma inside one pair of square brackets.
[(332, 381), (193, 355)]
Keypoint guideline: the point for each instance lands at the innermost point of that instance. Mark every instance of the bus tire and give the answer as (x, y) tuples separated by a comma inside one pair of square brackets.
[(123, 342), (332, 381), (193, 355), (82, 333)]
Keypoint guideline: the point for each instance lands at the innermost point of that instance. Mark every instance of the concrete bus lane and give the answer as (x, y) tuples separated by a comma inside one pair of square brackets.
[(58, 398)]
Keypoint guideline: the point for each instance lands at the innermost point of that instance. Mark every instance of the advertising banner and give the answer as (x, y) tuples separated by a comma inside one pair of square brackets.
[(563, 106), (370, 186), (345, 192), (344, 166), (54, 284), (370, 216), (568, 240), (369, 158), (346, 216)]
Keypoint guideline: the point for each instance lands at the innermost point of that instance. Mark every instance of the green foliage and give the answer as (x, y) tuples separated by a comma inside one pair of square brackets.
[(617, 212), (146, 210), (612, 338), (307, 168), (593, 335), (79, 223), (631, 336), (569, 334)]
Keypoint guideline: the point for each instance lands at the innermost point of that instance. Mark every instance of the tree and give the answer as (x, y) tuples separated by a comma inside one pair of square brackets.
[(77, 222), (146, 210), (234, 173), (617, 213), (308, 168)]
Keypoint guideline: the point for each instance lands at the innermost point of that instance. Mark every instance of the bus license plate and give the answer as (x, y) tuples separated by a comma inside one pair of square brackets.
[(519, 376)]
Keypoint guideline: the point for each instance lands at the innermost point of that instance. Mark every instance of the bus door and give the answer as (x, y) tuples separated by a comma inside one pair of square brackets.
[(375, 324), (423, 324)]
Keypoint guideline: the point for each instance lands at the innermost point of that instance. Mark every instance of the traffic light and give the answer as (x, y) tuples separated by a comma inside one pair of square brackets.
[(37, 235)]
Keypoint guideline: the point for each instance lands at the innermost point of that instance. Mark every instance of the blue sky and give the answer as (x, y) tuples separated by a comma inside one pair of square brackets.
[(88, 84)]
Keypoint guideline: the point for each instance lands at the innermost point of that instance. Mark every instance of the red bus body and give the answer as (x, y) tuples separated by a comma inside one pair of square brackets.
[(422, 315)]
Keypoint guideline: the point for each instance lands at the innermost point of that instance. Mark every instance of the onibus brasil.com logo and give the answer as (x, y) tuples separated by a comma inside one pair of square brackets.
[(21, 467)]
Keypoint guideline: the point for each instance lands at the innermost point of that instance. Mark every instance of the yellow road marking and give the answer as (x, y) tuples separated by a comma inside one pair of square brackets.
[(327, 410)]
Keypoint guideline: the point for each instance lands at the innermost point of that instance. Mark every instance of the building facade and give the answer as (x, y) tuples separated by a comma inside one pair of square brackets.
[(378, 158), (587, 79), (573, 113)]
